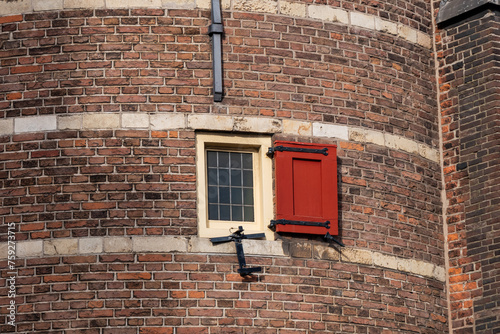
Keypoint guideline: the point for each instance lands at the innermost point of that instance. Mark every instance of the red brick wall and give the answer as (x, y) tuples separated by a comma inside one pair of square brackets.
[(107, 183), (468, 96)]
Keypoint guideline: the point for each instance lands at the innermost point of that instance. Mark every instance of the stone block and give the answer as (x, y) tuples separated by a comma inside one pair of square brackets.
[(29, 248), (386, 26), (362, 20), (133, 3), (6, 126), (206, 4), (327, 13), (256, 124), (35, 124), (358, 135), (263, 247), (210, 122), (262, 6), (40, 5), (167, 121), (101, 121), (60, 247), (439, 273), (401, 143), (325, 252), (424, 40), (297, 127), (330, 131), (386, 261), (90, 245), (4, 250), (69, 122), (360, 256), (407, 33), (84, 4), (159, 244), (117, 245), (300, 249), (203, 4), (428, 153), (375, 137), (15, 7), (204, 245), (135, 120), (188, 4), (293, 9)]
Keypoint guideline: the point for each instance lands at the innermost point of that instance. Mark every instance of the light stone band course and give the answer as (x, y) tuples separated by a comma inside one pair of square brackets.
[(172, 244), (318, 12), (174, 121)]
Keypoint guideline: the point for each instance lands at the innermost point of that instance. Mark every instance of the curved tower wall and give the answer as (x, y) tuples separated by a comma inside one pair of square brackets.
[(100, 108)]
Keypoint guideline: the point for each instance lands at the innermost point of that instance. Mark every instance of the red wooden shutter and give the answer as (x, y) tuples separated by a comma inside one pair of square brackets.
[(306, 187)]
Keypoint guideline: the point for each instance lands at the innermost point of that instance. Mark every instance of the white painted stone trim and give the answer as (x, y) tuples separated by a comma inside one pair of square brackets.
[(168, 121), (317, 12), (174, 244)]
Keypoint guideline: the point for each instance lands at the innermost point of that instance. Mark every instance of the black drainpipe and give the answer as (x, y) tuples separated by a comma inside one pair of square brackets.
[(215, 31)]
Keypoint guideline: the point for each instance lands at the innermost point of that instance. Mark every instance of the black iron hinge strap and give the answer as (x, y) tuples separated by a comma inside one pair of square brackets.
[(282, 148), (298, 222)]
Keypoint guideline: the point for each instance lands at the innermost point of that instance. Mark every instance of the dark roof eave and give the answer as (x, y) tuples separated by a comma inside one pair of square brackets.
[(449, 9)]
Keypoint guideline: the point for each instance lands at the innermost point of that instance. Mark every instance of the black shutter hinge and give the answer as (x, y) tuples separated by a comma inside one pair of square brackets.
[(281, 148), (298, 222), (237, 237)]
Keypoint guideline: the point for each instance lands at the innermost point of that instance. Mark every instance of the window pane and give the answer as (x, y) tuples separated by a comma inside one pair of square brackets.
[(230, 186), (223, 177), (248, 196), (247, 161), (223, 159), (213, 212), (235, 177), (247, 178), (211, 159), (237, 213), (225, 212), (248, 217), (235, 159), (213, 194), (224, 195), (212, 176), (236, 196)]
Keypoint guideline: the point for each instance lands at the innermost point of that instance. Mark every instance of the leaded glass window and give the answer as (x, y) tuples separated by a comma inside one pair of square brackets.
[(230, 186)]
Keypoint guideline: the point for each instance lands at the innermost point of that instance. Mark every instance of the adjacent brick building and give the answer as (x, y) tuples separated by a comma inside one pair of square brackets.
[(107, 113)]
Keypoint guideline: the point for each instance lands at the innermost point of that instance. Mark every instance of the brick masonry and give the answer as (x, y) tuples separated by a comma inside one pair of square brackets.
[(468, 96), (99, 110)]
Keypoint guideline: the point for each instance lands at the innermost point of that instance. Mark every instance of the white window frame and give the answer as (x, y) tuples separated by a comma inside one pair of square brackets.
[(263, 182)]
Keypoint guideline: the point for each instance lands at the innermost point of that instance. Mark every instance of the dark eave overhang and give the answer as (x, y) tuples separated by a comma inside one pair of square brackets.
[(449, 9)]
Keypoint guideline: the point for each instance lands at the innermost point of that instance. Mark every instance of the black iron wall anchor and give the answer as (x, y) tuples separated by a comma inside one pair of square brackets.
[(215, 31), (237, 237)]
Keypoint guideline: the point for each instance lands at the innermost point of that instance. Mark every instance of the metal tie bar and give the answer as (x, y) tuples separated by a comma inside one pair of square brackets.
[(237, 237)]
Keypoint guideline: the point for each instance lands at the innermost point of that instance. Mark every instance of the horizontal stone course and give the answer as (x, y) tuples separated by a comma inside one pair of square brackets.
[(320, 12), (194, 245), (214, 122)]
